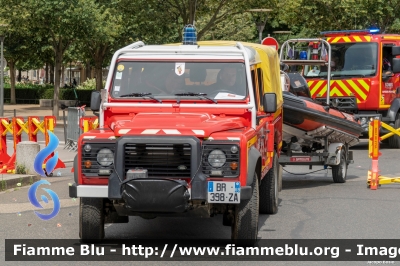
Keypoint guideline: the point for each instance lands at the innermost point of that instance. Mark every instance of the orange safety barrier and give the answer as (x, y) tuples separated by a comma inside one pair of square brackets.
[(16, 128), (88, 123), (374, 179), (373, 149)]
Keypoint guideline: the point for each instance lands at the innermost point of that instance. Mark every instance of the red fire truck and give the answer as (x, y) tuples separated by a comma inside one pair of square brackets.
[(364, 76), (184, 130)]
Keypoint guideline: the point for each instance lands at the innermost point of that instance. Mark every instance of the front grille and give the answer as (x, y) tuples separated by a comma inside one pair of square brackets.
[(160, 160), (344, 103), (92, 157), (230, 157)]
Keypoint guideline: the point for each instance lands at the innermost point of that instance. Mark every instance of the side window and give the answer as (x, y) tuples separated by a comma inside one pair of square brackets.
[(255, 85), (387, 57), (260, 88)]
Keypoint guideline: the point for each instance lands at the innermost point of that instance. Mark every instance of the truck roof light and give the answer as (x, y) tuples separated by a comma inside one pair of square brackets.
[(373, 29), (344, 32), (189, 35)]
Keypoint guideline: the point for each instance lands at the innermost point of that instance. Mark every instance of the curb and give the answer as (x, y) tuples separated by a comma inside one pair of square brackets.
[(22, 181)]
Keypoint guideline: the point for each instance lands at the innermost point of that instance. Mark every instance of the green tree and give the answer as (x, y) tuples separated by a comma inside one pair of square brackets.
[(20, 45), (64, 22)]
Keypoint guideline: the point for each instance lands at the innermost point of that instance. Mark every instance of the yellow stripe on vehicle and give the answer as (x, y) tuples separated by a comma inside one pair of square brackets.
[(347, 39), (364, 84), (357, 38), (336, 91), (344, 88), (251, 141), (317, 86), (357, 89)]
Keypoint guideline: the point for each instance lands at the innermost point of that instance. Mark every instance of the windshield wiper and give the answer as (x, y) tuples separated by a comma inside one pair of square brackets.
[(352, 75), (140, 94), (200, 94)]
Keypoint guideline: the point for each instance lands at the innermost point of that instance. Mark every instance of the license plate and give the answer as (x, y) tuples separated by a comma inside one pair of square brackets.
[(223, 192)]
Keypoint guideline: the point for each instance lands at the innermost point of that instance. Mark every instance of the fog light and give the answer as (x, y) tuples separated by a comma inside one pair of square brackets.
[(87, 148), (234, 165), (234, 149), (88, 164), (216, 173), (104, 172)]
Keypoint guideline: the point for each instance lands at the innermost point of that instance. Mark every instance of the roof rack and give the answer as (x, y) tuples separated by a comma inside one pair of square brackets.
[(284, 59)]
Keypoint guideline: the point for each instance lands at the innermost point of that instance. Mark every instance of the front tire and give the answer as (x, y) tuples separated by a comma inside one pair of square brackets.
[(245, 221), (394, 141), (339, 172), (269, 189), (91, 219)]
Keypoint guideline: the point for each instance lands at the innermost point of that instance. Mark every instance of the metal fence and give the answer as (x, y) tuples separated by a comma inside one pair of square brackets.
[(73, 128)]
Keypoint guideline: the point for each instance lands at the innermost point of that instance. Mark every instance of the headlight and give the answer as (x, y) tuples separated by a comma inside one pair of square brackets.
[(335, 102), (105, 157), (216, 158), (363, 120)]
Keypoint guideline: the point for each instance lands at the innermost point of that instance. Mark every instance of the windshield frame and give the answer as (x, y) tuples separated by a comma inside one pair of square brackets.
[(172, 96)]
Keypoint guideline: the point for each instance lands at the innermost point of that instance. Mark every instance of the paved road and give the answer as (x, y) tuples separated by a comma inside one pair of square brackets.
[(311, 206)]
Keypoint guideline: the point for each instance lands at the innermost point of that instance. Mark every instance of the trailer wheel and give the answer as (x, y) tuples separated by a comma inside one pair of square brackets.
[(245, 220), (269, 189), (91, 219), (339, 172), (394, 141)]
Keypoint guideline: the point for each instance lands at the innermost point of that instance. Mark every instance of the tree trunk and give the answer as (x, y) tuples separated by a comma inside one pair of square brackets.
[(98, 64), (192, 10), (99, 78), (47, 73), (12, 81), (52, 73), (19, 75), (58, 62), (88, 70), (62, 76), (98, 61)]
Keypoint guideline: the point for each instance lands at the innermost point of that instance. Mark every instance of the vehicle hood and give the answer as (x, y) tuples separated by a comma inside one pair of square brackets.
[(187, 124)]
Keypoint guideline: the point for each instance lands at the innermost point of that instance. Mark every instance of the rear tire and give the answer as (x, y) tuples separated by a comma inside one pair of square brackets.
[(339, 172), (269, 189), (245, 221), (394, 141), (91, 219)]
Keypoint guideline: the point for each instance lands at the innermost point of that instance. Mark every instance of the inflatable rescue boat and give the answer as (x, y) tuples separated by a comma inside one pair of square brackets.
[(308, 123)]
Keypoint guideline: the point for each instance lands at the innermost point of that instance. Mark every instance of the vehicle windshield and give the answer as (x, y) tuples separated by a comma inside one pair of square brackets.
[(348, 60), (173, 80)]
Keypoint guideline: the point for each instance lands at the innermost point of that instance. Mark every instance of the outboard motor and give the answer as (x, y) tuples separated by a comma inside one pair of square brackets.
[(298, 85)]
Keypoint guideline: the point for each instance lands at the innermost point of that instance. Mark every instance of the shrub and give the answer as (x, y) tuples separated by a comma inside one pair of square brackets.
[(33, 95), (89, 84)]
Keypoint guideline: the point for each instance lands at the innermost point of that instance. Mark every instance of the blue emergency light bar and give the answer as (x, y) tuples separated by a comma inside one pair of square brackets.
[(189, 35), (370, 30)]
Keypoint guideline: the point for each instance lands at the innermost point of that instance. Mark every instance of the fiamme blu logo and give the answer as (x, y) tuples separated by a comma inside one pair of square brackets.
[(45, 171)]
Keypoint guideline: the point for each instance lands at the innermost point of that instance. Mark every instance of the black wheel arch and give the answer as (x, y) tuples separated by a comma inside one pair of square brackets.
[(393, 110), (254, 165)]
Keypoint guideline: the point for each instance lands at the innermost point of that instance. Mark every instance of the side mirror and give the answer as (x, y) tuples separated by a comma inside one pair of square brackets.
[(270, 102), (396, 65), (95, 101), (395, 50)]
